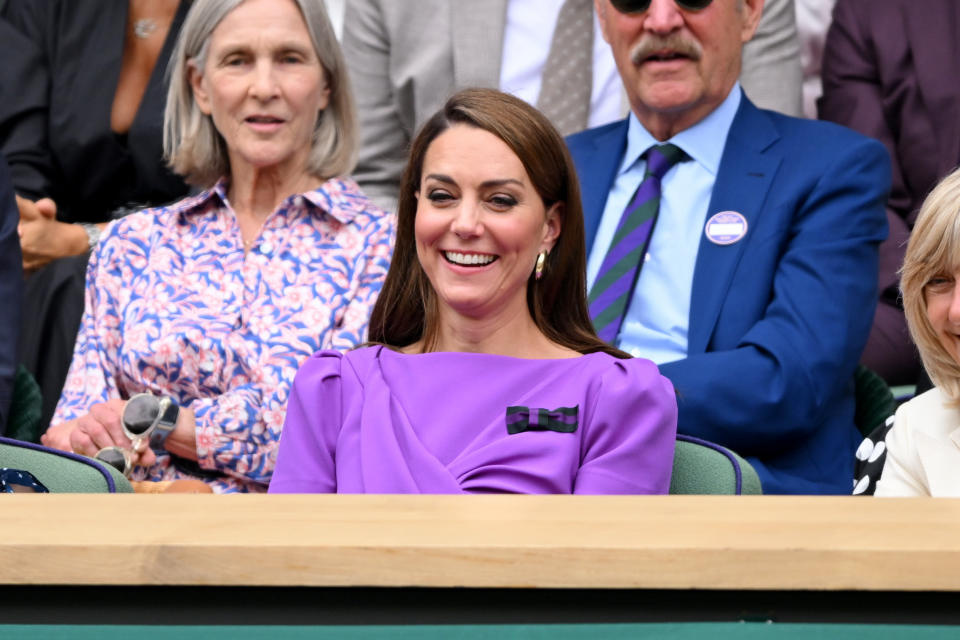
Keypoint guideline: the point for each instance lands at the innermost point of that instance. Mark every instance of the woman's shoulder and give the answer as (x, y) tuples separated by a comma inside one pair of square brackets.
[(330, 362), (344, 199), (622, 389), (133, 225), (930, 412), (624, 369)]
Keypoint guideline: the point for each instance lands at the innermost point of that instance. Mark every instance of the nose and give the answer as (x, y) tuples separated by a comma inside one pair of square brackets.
[(663, 16), (264, 82), (466, 222), (953, 314)]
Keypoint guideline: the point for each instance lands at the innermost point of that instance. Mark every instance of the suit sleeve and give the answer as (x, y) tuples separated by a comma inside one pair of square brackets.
[(771, 75), (383, 137), (773, 388), (853, 97), (24, 85), (11, 292)]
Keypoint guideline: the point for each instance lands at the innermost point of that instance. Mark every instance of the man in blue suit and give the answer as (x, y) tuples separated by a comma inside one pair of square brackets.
[(758, 284)]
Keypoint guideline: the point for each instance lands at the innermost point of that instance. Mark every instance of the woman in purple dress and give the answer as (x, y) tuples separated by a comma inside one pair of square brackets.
[(486, 375)]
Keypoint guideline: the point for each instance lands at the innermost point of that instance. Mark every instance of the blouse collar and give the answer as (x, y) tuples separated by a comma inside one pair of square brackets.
[(340, 198)]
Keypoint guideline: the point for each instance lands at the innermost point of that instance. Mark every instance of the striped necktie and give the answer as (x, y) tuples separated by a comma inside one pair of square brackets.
[(613, 288)]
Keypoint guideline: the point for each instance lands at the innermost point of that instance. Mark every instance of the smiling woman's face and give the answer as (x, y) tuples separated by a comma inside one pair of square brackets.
[(479, 224), (263, 85), (943, 310)]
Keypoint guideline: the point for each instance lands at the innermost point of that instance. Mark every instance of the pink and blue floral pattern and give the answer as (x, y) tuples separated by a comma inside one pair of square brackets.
[(175, 306)]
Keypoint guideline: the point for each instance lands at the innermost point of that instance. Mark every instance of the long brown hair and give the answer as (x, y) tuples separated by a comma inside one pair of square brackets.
[(406, 310)]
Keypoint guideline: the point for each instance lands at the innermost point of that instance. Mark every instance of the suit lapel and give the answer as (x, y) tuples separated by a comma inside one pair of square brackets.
[(746, 170), (477, 31), (932, 33), (597, 170)]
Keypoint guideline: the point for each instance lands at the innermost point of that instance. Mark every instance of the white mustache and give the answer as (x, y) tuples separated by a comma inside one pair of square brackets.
[(651, 44)]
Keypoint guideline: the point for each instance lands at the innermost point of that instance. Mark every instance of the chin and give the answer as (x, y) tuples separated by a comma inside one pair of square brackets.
[(671, 100), (470, 304)]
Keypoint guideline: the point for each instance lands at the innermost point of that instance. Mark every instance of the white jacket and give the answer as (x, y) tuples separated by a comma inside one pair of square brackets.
[(923, 450)]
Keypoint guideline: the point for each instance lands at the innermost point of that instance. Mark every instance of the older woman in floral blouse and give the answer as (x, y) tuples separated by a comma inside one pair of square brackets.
[(213, 302)]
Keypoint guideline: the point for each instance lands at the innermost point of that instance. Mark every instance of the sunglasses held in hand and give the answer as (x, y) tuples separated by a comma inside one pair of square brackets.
[(145, 418), (639, 6)]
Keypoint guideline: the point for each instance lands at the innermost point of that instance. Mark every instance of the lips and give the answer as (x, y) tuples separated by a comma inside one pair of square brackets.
[(665, 56), (263, 119)]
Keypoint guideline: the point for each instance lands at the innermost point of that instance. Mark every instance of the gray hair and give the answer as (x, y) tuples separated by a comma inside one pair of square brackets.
[(194, 148)]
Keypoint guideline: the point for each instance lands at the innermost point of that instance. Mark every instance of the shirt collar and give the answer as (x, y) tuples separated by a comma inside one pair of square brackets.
[(703, 142), (337, 197)]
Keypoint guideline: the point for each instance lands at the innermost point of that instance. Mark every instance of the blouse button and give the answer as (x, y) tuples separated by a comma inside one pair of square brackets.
[(266, 248)]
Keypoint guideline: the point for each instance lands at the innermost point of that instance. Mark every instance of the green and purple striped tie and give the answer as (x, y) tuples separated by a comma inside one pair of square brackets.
[(613, 288)]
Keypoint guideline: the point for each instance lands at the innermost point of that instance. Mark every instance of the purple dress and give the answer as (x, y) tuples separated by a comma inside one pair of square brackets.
[(377, 421)]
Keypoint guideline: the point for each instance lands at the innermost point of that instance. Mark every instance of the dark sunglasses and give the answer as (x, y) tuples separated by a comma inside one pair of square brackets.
[(117, 457), (140, 417), (639, 6)]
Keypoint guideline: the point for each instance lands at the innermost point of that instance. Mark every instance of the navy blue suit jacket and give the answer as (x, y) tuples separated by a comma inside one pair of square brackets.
[(11, 291), (778, 319)]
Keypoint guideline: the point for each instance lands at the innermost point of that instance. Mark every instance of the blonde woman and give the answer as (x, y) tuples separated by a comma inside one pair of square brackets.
[(923, 445)]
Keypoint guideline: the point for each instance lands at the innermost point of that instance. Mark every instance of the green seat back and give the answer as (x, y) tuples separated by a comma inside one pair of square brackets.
[(701, 467), (26, 407), (62, 472), (875, 401)]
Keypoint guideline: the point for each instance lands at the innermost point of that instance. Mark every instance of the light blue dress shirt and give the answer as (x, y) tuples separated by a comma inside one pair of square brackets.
[(658, 318)]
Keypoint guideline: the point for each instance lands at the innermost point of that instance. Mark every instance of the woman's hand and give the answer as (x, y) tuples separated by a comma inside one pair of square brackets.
[(98, 429), (43, 238)]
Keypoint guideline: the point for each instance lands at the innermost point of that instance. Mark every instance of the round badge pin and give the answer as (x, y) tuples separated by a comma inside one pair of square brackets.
[(726, 227)]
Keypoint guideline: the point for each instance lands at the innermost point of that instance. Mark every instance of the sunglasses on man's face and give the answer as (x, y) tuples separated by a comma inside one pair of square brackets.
[(639, 6)]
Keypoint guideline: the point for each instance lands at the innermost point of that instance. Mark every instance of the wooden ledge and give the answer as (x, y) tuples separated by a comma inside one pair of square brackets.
[(664, 542)]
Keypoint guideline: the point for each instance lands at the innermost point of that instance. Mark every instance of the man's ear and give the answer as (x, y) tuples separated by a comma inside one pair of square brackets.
[(751, 11), (600, 8), (200, 95)]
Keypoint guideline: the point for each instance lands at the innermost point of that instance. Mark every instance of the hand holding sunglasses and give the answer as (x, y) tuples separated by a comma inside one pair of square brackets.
[(146, 419), (99, 427), (639, 6)]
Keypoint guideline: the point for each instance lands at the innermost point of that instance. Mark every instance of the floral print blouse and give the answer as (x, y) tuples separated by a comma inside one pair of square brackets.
[(175, 306)]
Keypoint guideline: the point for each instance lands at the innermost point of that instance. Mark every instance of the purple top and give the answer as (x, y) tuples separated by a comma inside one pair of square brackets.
[(377, 421)]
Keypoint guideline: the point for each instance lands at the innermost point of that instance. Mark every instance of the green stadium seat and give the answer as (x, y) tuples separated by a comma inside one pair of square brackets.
[(702, 467), (62, 472)]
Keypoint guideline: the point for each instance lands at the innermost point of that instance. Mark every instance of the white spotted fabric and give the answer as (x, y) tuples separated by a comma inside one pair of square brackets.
[(870, 456)]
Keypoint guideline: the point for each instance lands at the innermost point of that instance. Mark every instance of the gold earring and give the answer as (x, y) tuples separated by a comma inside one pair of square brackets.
[(541, 263)]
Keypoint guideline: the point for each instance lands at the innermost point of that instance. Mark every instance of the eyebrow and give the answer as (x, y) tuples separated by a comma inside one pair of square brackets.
[(486, 184), (231, 48)]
